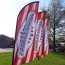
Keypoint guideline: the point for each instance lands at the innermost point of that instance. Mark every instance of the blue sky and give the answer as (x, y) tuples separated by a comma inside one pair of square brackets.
[(9, 10)]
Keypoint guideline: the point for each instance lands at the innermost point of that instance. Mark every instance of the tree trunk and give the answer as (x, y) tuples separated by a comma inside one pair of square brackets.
[(54, 45)]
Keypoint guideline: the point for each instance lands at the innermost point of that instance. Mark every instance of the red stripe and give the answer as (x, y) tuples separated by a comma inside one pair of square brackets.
[(39, 16), (15, 60), (36, 11), (44, 16), (39, 56), (23, 60), (36, 8), (43, 46), (29, 9), (19, 24)]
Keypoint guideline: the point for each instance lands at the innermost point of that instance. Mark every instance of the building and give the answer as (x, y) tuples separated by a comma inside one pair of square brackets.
[(6, 42)]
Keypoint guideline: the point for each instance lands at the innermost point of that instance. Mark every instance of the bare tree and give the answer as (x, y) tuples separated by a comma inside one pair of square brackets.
[(56, 13)]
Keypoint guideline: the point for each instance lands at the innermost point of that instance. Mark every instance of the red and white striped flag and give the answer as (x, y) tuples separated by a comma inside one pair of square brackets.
[(39, 34), (46, 42), (25, 34)]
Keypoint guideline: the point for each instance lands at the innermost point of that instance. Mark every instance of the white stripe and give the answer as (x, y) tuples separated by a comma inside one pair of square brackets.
[(25, 13), (40, 50), (19, 62), (45, 40), (28, 55), (34, 5), (15, 50), (34, 56), (47, 45), (47, 50), (45, 21)]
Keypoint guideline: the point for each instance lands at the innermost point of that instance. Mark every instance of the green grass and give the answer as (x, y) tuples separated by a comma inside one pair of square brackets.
[(51, 59), (5, 58)]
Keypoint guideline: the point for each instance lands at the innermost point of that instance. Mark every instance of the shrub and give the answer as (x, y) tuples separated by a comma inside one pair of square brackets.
[(62, 48)]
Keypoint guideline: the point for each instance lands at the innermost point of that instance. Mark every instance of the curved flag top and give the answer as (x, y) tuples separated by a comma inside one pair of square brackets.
[(25, 34), (39, 34), (46, 42)]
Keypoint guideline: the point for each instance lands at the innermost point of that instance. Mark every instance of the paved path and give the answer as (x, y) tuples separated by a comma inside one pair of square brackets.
[(6, 50)]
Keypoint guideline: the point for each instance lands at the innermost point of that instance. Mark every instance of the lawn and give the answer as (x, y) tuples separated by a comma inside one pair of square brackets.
[(51, 59)]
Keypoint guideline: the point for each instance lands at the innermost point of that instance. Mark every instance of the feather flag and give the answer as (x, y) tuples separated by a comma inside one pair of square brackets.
[(39, 34), (46, 42), (25, 34)]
